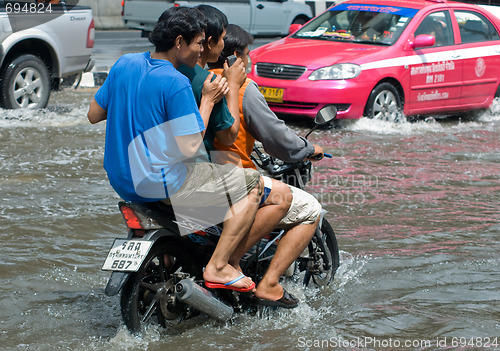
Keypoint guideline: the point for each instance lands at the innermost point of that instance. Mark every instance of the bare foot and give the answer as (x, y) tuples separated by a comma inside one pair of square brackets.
[(225, 275)]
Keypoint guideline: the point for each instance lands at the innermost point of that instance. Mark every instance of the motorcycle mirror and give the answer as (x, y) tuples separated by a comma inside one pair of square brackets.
[(325, 115)]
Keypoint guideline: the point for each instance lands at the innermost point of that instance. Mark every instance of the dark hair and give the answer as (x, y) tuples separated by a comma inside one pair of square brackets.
[(216, 21), (185, 21), (236, 39)]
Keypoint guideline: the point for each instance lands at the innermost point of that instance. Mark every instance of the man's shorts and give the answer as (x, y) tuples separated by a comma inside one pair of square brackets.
[(210, 189), (305, 209)]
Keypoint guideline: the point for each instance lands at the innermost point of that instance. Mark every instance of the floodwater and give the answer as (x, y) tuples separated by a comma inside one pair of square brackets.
[(415, 206)]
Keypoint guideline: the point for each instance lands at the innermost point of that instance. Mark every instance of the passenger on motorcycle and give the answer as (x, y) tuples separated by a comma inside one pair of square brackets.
[(225, 117), (258, 122), (154, 132)]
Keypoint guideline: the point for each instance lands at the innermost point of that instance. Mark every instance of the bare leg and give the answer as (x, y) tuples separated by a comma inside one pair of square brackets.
[(235, 228), (289, 248), (266, 219)]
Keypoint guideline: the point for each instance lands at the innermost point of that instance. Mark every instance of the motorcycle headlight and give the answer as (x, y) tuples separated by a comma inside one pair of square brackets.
[(338, 71)]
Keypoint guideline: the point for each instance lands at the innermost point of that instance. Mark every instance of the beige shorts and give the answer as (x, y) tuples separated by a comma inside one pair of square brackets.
[(209, 192), (209, 184), (305, 209)]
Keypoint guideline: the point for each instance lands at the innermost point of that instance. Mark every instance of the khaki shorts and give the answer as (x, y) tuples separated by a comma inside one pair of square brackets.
[(209, 184), (305, 209)]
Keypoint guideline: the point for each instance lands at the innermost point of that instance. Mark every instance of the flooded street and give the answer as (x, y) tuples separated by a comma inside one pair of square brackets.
[(415, 206)]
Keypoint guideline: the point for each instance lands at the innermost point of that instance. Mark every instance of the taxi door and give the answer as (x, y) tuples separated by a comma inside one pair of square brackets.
[(480, 49), (436, 71)]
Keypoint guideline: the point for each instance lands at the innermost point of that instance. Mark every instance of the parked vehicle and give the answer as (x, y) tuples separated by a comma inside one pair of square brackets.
[(160, 272), (379, 58), (33, 60), (259, 17)]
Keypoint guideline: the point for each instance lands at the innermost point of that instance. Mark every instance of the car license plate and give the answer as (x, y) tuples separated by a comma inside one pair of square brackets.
[(272, 94), (126, 255)]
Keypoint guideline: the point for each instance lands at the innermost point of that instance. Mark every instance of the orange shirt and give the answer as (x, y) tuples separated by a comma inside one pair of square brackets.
[(239, 152)]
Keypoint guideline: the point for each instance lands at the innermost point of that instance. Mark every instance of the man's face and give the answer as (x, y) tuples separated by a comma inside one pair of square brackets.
[(244, 57), (216, 48), (190, 53)]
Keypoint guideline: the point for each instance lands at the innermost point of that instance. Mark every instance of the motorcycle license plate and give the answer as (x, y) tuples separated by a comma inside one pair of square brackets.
[(272, 94), (126, 255)]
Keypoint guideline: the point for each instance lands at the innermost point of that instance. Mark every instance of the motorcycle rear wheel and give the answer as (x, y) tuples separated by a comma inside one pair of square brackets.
[(327, 263), (147, 291)]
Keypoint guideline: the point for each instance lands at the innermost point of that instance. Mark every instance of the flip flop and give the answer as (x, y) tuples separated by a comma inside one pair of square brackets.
[(229, 285), (286, 301)]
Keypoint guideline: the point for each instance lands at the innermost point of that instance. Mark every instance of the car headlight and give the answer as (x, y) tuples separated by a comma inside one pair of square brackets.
[(338, 71), (248, 68)]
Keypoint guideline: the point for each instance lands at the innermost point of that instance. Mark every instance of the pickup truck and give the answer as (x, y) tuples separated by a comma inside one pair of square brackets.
[(259, 17), (34, 60)]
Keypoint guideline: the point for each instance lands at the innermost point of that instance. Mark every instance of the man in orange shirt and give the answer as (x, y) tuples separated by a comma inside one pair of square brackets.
[(258, 122)]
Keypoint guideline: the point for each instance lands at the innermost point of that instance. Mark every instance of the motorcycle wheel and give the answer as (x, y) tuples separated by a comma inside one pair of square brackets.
[(325, 264), (147, 295)]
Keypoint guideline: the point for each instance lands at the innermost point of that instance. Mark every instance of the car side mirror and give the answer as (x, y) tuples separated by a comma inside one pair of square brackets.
[(294, 27), (423, 41)]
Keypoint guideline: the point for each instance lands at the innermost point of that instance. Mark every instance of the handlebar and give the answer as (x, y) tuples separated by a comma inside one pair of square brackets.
[(319, 157)]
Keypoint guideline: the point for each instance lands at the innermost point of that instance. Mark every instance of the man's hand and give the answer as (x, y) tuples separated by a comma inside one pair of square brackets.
[(211, 93), (318, 153), (235, 74), (214, 90)]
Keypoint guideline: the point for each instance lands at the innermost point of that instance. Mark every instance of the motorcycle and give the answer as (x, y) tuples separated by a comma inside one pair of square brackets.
[(159, 271)]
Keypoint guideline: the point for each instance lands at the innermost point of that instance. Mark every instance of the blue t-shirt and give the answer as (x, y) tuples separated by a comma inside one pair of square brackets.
[(148, 104)]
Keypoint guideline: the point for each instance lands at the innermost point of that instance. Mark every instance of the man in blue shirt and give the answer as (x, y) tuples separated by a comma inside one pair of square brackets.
[(154, 131)]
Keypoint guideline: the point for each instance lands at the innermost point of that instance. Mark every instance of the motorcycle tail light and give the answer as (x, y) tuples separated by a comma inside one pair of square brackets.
[(136, 220)]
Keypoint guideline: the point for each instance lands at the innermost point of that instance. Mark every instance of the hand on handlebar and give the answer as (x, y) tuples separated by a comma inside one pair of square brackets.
[(318, 153)]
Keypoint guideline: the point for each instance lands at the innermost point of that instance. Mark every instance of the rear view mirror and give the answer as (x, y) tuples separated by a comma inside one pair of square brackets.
[(423, 41), (325, 115), (294, 27)]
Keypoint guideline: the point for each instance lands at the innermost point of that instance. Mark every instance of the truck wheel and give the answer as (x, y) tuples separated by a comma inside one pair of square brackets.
[(25, 83), (300, 20), (385, 104)]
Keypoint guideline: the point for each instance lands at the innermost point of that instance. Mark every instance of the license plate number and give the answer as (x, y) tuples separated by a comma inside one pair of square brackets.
[(272, 94), (126, 255)]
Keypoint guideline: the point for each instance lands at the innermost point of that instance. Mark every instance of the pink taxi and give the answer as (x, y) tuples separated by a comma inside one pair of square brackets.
[(382, 58)]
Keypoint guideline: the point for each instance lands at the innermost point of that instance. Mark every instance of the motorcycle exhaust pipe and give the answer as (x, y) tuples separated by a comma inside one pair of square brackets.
[(203, 300)]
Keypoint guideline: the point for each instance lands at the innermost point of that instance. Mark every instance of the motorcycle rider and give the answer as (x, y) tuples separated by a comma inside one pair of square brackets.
[(258, 122), (274, 204), (155, 128)]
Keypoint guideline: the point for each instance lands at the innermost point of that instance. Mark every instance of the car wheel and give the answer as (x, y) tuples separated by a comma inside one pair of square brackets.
[(25, 83), (385, 104)]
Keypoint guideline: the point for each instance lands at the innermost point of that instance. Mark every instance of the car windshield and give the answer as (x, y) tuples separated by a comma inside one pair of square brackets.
[(370, 24)]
